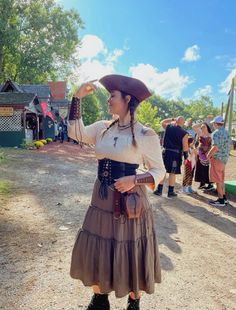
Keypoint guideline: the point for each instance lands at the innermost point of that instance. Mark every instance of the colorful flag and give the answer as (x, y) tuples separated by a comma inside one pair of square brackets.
[(44, 108)]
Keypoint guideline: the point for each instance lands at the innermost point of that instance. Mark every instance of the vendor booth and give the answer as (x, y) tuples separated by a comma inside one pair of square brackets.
[(18, 118)]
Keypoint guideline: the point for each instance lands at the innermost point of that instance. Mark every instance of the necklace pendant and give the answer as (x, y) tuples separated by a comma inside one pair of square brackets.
[(115, 140)]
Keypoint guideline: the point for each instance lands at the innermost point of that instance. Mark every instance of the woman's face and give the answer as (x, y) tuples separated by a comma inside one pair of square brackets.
[(116, 104), (204, 128)]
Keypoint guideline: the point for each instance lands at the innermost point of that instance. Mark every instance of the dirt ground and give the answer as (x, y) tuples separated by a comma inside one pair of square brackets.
[(39, 219)]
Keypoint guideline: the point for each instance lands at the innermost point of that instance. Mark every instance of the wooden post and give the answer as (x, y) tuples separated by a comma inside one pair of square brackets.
[(231, 100), (229, 108)]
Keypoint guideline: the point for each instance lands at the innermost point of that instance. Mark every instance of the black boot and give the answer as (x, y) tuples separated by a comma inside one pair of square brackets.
[(133, 304), (99, 302)]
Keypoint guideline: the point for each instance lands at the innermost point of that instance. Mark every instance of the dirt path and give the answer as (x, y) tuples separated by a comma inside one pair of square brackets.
[(39, 220)]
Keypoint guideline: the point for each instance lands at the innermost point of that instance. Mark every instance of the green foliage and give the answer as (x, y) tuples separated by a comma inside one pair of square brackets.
[(2, 157), (37, 40), (27, 145), (200, 108), (90, 109), (90, 106), (4, 188), (102, 96), (147, 115)]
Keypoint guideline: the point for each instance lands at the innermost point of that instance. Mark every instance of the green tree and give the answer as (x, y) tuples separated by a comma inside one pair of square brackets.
[(38, 40), (200, 108), (147, 115), (9, 34), (89, 105), (90, 109), (102, 95)]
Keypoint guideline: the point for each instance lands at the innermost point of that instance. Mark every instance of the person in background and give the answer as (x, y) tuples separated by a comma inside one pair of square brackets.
[(175, 144), (56, 131), (203, 132), (61, 132), (218, 156), (189, 167)]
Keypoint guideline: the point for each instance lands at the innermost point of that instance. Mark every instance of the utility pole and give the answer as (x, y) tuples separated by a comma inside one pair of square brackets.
[(229, 108)]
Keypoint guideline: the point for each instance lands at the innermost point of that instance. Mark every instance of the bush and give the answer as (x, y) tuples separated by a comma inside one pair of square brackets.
[(38, 144), (43, 141), (49, 140), (27, 145)]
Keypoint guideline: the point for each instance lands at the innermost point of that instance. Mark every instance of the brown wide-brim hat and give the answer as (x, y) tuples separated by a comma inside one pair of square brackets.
[(126, 84)]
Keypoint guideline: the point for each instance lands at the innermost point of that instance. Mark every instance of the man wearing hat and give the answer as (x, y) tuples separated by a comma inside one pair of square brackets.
[(116, 250), (218, 156)]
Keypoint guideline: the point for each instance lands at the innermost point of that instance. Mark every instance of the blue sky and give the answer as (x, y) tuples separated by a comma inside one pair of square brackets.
[(179, 48)]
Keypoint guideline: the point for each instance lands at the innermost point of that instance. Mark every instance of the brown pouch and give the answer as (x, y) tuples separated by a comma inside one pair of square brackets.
[(133, 205)]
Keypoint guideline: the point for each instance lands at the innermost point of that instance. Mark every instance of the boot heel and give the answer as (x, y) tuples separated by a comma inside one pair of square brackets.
[(99, 302), (133, 304)]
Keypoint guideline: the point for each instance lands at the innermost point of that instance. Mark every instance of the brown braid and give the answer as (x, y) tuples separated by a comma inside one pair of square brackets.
[(131, 111), (112, 124), (132, 106)]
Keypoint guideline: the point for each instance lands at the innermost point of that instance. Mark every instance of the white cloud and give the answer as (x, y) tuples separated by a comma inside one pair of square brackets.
[(114, 55), (95, 60), (91, 69), (90, 47), (192, 54), (226, 84), (204, 91), (168, 84), (231, 64)]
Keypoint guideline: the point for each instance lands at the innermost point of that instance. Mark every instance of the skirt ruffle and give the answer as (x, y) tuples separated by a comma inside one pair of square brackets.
[(119, 255)]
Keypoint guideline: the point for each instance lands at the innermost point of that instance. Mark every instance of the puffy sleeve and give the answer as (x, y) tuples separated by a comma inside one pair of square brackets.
[(86, 134), (152, 156)]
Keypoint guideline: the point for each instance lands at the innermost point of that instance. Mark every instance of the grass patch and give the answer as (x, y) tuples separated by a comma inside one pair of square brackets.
[(2, 157), (5, 188)]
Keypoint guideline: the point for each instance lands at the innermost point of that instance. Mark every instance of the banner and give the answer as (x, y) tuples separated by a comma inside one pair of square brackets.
[(44, 108)]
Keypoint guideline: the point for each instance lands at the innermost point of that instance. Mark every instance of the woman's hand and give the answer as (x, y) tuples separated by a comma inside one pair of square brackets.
[(125, 184), (85, 89)]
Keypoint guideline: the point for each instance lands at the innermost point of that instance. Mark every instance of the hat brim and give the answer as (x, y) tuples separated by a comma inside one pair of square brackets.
[(212, 122), (126, 84)]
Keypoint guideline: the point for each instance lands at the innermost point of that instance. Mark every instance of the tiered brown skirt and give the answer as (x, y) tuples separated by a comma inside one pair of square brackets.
[(117, 255)]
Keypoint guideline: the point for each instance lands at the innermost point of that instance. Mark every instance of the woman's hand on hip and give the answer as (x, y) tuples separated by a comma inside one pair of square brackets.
[(125, 184), (85, 89)]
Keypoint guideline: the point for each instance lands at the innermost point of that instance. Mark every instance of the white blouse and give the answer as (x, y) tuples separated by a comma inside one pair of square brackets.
[(116, 144)]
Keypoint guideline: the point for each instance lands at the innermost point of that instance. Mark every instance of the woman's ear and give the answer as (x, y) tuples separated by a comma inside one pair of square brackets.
[(127, 99)]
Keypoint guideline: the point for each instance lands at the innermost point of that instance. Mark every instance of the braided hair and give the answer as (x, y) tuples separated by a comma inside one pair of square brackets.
[(112, 124), (132, 106)]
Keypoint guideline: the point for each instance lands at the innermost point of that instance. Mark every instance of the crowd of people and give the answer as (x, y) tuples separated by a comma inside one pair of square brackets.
[(205, 148)]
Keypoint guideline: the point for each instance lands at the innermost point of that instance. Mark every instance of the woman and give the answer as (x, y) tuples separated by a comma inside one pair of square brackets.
[(113, 252), (203, 132)]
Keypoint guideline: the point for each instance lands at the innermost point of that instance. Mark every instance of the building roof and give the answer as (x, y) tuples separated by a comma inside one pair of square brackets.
[(10, 85), (58, 89), (42, 91), (11, 98), (59, 102)]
